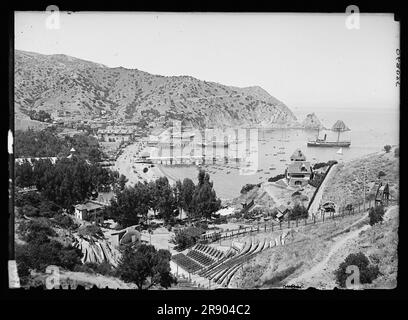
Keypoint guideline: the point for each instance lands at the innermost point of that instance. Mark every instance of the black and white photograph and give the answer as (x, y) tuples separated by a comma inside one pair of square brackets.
[(204, 150)]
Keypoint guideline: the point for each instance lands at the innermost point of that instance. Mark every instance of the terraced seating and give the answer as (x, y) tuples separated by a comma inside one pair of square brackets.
[(224, 281), (200, 257), (186, 263), (219, 274), (216, 267), (208, 250), (223, 270), (216, 264)]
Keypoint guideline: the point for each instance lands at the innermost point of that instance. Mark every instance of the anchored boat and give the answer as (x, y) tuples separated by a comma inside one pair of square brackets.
[(338, 127)]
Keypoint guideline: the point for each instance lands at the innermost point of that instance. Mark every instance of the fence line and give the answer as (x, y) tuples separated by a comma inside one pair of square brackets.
[(284, 225)]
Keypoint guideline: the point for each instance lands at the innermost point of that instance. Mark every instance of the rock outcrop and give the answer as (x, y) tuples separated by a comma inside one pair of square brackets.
[(312, 122)]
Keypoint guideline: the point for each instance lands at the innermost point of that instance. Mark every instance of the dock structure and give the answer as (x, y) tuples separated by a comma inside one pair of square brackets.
[(191, 159)]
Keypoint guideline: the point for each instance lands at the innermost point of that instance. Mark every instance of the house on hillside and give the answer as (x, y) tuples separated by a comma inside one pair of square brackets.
[(383, 195), (282, 212), (89, 211), (298, 173)]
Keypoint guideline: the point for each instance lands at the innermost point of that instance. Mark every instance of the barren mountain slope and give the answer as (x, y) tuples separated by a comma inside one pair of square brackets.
[(80, 89)]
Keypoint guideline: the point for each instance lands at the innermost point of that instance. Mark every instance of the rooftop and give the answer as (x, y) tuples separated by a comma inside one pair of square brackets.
[(299, 167), (298, 155), (89, 205)]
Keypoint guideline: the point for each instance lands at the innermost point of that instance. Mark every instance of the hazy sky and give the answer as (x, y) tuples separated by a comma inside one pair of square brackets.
[(305, 60)]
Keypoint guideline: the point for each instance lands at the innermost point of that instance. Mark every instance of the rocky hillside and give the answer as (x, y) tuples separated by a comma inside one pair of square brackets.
[(70, 87), (312, 122)]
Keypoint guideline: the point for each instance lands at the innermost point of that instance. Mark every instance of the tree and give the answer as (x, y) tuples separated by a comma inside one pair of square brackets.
[(367, 272), (298, 212), (29, 211), (146, 267), (24, 176), (349, 208), (70, 181), (130, 205), (165, 202), (187, 237), (396, 152), (376, 215), (205, 201), (387, 148), (41, 251), (186, 191)]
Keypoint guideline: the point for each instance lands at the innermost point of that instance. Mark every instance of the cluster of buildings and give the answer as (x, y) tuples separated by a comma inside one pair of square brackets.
[(117, 134)]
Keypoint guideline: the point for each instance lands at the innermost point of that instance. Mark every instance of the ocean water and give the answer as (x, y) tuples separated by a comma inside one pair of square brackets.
[(370, 131)]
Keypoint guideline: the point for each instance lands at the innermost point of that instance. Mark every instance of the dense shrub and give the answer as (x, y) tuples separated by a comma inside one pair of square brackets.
[(29, 211), (64, 221), (381, 174), (91, 231), (298, 212), (387, 148), (396, 152), (203, 225), (32, 198), (32, 230), (331, 162), (367, 272), (276, 178), (248, 187), (42, 251), (145, 170), (376, 215), (104, 268), (220, 220), (319, 165), (39, 255), (317, 179)]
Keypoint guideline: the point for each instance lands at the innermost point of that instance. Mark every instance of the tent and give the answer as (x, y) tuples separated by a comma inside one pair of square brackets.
[(340, 126)]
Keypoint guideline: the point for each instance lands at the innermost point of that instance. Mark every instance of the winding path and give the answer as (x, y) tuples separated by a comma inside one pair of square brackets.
[(319, 268), (322, 265)]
